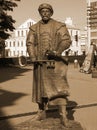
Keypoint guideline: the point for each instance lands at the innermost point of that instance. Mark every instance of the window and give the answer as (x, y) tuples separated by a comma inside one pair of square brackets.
[(26, 32), (13, 43), (18, 44), (21, 43), (22, 32), (18, 33), (21, 52), (10, 43), (71, 32), (76, 38), (18, 52), (30, 23), (13, 53)]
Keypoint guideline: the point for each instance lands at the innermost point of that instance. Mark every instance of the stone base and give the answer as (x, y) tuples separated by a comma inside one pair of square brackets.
[(48, 124)]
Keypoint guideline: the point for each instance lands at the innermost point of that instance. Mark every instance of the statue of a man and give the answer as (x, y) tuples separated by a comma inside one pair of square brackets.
[(50, 85)]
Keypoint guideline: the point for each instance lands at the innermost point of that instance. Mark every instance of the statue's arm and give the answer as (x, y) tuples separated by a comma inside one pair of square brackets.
[(30, 43), (64, 39)]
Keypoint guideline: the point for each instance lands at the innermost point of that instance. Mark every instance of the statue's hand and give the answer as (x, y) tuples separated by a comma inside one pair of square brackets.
[(50, 53), (53, 55)]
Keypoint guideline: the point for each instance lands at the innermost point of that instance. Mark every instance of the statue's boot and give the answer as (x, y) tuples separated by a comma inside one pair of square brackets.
[(63, 116), (41, 115)]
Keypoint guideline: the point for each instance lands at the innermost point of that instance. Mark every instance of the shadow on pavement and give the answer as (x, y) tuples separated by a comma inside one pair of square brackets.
[(8, 73), (7, 98), (5, 124)]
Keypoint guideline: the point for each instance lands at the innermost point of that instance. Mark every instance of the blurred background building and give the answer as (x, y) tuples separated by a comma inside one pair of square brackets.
[(92, 21)]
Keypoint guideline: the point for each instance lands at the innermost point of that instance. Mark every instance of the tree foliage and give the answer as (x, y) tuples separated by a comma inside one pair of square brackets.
[(6, 21)]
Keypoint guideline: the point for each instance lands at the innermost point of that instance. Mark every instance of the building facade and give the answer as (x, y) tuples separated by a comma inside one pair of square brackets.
[(92, 21), (16, 44), (78, 37)]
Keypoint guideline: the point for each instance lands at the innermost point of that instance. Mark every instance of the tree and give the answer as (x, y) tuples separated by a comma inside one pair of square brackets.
[(6, 21)]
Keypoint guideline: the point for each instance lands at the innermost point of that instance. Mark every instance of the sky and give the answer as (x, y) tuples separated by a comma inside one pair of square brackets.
[(76, 9)]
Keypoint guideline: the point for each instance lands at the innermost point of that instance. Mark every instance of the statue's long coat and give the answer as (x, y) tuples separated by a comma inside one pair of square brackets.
[(52, 36)]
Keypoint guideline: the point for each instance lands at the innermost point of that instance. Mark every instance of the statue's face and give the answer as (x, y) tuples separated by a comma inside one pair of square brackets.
[(45, 14)]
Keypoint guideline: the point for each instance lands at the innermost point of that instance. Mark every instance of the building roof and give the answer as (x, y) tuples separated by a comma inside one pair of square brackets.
[(25, 24)]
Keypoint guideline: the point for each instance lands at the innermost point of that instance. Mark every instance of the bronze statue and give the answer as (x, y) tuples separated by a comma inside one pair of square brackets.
[(46, 40)]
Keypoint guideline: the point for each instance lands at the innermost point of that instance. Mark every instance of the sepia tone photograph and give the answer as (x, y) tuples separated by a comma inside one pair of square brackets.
[(48, 64)]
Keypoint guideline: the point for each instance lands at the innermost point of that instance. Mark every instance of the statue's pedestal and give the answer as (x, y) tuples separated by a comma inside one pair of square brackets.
[(50, 123)]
